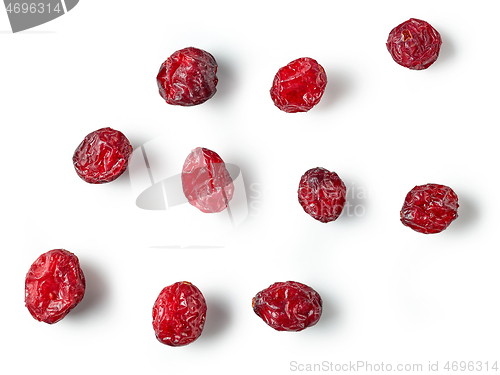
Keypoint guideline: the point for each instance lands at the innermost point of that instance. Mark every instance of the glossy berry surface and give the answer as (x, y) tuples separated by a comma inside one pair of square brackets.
[(188, 77), (102, 156), (322, 194), (54, 285), (429, 208), (298, 86), (206, 182), (288, 306), (414, 44), (179, 314)]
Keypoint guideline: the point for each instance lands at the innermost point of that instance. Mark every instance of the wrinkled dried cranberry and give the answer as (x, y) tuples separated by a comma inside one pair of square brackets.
[(322, 194), (102, 156), (298, 86), (414, 44), (188, 77), (206, 182), (429, 208), (288, 306), (179, 314), (54, 286)]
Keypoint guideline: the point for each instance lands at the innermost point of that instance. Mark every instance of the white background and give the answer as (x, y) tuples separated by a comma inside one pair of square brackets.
[(390, 295)]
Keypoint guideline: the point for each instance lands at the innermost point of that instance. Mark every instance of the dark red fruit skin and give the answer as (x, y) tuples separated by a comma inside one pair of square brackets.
[(322, 194), (188, 77), (429, 208), (298, 86), (179, 314), (414, 44), (206, 182), (54, 285), (102, 156), (288, 306)]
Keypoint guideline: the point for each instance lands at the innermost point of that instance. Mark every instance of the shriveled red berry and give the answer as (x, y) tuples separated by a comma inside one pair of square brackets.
[(288, 306), (179, 314), (102, 156), (322, 194), (298, 86), (206, 182), (54, 286), (414, 44), (188, 77), (429, 208)]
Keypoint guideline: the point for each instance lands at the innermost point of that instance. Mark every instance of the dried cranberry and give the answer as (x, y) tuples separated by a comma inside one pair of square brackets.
[(179, 314), (414, 44), (288, 306), (298, 86), (102, 156), (188, 77), (206, 182), (429, 208), (54, 286), (322, 194)]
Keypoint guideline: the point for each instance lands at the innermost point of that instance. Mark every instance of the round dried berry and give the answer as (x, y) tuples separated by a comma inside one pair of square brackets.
[(288, 306), (188, 77), (54, 286), (298, 86), (206, 182), (102, 156), (322, 194), (179, 314), (429, 208), (414, 44)]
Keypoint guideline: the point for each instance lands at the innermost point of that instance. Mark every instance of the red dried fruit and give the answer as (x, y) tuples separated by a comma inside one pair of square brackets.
[(298, 86), (429, 208), (179, 314), (188, 77), (206, 182), (54, 286), (414, 44), (288, 306), (102, 156), (322, 194)]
